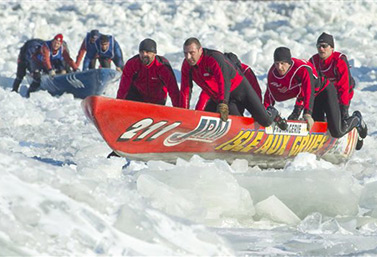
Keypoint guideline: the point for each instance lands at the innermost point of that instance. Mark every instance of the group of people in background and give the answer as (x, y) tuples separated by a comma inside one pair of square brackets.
[(322, 86), (52, 57)]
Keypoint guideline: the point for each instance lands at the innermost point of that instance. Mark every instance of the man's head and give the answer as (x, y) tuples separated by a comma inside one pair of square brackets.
[(282, 59), (147, 51), (105, 42), (193, 50), (325, 45), (94, 35), (57, 42)]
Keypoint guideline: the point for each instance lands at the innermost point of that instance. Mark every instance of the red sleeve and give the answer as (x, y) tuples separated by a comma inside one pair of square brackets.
[(307, 89), (81, 53), (126, 80), (202, 102), (250, 76), (268, 98), (342, 82), (68, 59), (186, 85), (168, 77)]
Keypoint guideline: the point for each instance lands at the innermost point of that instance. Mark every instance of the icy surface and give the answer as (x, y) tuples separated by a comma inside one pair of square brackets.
[(61, 196)]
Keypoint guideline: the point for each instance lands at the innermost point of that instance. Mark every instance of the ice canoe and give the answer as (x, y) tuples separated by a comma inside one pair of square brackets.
[(80, 84), (142, 131)]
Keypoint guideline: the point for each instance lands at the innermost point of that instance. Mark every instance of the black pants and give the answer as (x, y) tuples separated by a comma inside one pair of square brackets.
[(326, 103), (244, 97)]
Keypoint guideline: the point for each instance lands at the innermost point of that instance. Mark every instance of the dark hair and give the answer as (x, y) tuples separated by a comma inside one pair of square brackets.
[(104, 38), (192, 40)]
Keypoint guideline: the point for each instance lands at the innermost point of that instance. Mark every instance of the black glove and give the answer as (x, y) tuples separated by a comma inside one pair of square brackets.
[(296, 113), (223, 109), (344, 111)]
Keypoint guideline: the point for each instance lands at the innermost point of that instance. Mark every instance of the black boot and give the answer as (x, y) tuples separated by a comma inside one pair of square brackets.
[(361, 126), (112, 154), (33, 87), (16, 84), (280, 122), (359, 143)]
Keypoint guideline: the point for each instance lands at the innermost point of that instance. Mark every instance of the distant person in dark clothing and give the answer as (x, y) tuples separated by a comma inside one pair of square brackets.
[(24, 58), (88, 47), (228, 89), (108, 50)]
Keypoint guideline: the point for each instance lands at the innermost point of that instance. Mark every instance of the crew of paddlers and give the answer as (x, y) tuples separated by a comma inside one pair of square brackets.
[(322, 86)]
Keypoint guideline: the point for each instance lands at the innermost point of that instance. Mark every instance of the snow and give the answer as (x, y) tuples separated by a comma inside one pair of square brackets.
[(61, 196)]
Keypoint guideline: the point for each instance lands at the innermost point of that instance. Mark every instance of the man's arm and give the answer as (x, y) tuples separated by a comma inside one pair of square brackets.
[(118, 56), (186, 86), (68, 59), (45, 52), (81, 53), (342, 82), (126, 80), (202, 102), (168, 77)]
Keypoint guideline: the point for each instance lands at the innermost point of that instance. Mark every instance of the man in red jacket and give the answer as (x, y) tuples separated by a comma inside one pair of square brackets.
[(293, 78), (148, 77), (228, 89), (334, 66)]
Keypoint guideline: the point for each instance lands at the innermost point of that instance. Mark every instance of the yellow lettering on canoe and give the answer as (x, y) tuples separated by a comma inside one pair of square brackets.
[(253, 143), (283, 147), (240, 142), (229, 144), (267, 144)]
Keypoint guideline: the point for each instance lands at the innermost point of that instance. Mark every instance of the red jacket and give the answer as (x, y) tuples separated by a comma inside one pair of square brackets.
[(213, 73), (301, 81), (153, 82), (249, 75), (336, 69)]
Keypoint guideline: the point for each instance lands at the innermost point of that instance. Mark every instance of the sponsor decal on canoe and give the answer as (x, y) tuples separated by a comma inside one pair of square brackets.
[(146, 128), (71, 78), (283, 144), (294, 128), (208, 130)]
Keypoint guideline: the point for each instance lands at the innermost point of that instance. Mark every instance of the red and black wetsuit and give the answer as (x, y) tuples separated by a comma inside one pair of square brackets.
[(301, 81), (221, 81), (249, 75), (149, 84), (336, 69)]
